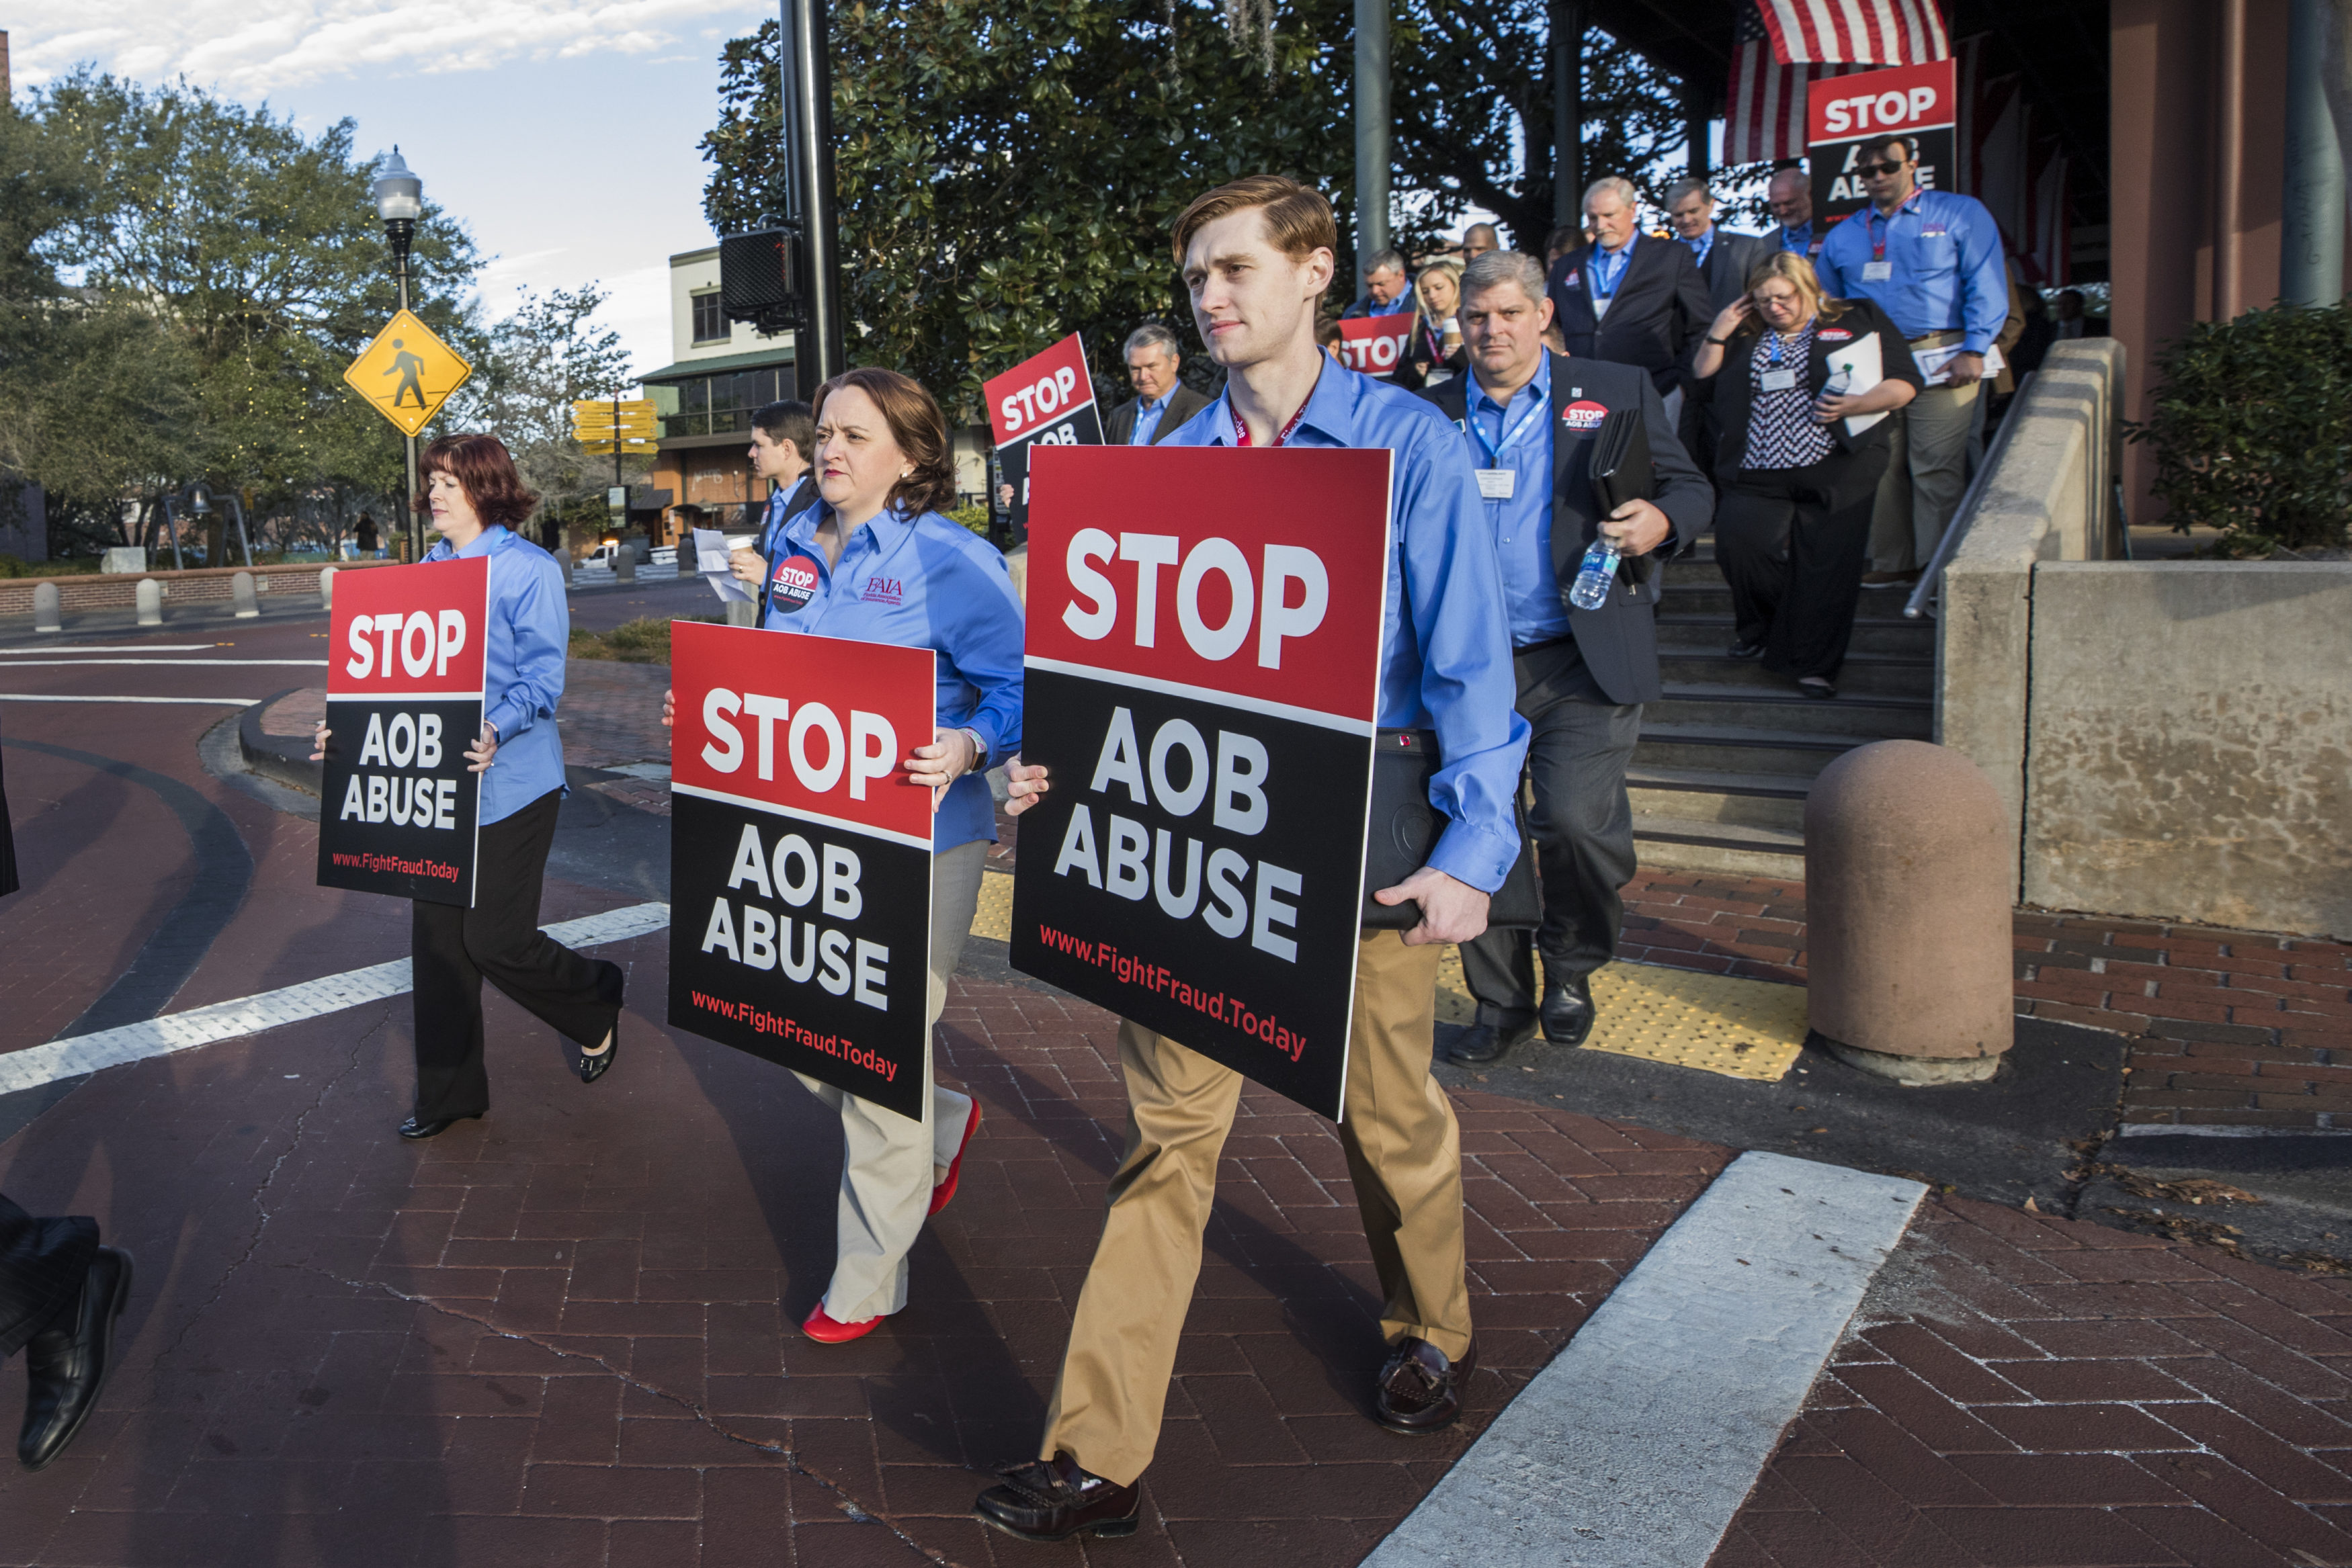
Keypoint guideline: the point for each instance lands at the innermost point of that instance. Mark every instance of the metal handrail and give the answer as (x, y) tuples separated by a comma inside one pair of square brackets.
[(1966, 512)]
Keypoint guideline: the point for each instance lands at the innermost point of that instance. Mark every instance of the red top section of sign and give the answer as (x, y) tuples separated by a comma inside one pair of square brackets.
[(1040, 391), (1373, 344), (1906, 97), (815, 725), (1256, 573), (410, 630)]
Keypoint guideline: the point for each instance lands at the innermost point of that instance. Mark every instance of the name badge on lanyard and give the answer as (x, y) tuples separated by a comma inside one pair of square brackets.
[(1496, 484), (1778, 380), (1877, 271)]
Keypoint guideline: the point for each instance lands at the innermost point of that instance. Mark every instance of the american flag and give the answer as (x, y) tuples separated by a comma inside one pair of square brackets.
[(1781, 46)]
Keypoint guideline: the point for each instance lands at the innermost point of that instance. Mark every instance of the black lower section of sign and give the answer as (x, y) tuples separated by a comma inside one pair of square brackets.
[(401, 807), (1197, 868), (1083, 428), (803, 944), (1838, 190)]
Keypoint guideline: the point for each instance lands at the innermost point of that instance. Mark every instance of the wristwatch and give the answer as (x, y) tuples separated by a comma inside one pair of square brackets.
[(978, 750), (1718, 343)]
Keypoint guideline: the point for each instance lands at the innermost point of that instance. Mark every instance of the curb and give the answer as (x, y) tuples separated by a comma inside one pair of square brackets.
[(281, 758)]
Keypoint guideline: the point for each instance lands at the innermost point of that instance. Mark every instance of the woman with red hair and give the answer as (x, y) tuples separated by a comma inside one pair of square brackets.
[(475, 498)]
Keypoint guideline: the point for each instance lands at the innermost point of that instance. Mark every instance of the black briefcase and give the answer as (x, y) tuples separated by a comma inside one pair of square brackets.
[(1405, 829)]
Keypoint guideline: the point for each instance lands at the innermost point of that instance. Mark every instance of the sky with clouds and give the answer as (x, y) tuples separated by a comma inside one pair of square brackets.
[(562, 132)]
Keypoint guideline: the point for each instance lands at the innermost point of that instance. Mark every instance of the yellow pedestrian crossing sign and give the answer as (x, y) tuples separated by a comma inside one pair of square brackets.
[(407, 372)]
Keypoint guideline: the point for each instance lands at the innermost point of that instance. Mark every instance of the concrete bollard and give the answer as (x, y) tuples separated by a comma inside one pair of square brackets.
[(48, 607), (240, 590), (740, 614), (326, 588), (625, 565), (689, 563), (1909, 873), (1016, 562), (151, 603), (563, 561)]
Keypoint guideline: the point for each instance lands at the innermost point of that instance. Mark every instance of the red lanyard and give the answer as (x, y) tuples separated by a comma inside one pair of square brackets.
[(1241, 431)]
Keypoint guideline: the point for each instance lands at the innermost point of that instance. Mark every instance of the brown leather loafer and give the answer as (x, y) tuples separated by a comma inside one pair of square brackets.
[(1055, 1500), (1419, 1390)]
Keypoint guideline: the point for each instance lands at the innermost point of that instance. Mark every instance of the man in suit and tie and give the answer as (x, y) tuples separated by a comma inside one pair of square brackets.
[(1629, 299), (1725, 260), (1530, 418), (1161, 403)]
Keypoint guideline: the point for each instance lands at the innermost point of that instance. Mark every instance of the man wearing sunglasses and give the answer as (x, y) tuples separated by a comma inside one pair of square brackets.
[(1932, 261)]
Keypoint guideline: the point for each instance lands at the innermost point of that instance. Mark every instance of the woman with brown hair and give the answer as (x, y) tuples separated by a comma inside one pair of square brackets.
[(475, 498), (1798, 461), (877, 563)]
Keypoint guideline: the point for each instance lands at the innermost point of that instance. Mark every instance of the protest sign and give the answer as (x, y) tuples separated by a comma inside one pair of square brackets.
[(801, 854), (1375, 344), (401, 809), (1841, 113), (1047, 400), (1202, 679)]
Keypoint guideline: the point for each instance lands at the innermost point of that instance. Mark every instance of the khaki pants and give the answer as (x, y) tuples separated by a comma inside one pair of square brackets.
[(1405, 1156), (889, 1162), (1926, 471)]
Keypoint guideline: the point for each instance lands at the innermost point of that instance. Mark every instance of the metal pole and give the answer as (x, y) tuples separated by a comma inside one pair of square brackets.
[(172, 527), (243, 539), (415, 528), (1695, 129), (1371, 131), (2226, 278), (807, 71), (2311, 246), (1567, 111)]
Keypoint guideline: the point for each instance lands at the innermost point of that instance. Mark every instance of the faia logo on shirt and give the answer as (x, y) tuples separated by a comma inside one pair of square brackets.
[(884, 590), (1583, 415), (795, 585), (1833, 334)]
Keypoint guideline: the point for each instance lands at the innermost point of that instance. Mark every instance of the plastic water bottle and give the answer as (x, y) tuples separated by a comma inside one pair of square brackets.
[(1593, 576)]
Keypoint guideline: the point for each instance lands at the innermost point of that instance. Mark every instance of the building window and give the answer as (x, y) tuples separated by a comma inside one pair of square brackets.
[(709, 319)]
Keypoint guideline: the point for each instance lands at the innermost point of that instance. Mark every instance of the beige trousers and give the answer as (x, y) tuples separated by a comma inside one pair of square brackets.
[(1405, 1156), (1926, 472), (889, 1162)]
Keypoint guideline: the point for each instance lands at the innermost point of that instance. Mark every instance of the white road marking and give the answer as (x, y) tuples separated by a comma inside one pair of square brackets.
[(178, 663), (59, 1059), (216, 702), (111, 648), (1640, 1441)]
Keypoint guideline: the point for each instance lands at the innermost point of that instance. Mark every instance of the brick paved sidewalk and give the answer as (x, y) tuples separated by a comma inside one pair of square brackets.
[(566, 1334), (2025, 1390)]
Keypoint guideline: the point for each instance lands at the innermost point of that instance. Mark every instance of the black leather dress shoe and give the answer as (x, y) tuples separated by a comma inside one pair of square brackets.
[(1567, 1012), (412, 1128), (592, 1068), (1485, 1042), (1746, 649), (1421, 1391), (66, 1364), (1055, 1500)]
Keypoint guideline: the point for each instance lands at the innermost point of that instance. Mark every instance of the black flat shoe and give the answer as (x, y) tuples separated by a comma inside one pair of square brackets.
[(1568, 1013), (1053, 1499), (1419, 1390), (1482, 1043), (66, 1364), (1746, 649), (414, 1129), (1814, 686), (595, 1066)]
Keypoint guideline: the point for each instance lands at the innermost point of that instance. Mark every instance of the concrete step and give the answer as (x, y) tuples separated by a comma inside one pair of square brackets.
[(1865, 674), (1680, 631), (1685, 843), (1699, 794), (1861, 716), (1707, 595), (1737, 748)]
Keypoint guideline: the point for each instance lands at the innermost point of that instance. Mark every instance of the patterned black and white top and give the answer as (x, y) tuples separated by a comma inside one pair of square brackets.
[(1782, 430)]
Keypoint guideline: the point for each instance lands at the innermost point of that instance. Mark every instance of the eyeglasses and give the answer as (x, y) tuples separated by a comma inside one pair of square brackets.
[(1868, 170)]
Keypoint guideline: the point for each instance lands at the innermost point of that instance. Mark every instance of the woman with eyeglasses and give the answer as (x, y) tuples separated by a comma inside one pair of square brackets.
[(1804, 441)]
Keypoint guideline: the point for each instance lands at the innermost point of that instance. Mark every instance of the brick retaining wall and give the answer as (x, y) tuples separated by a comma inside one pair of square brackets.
[(120, 591)]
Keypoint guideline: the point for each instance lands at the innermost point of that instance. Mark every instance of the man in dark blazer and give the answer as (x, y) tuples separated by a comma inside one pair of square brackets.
[(1161, 403), (1725, 260), (1530, 418), (1630, 298)]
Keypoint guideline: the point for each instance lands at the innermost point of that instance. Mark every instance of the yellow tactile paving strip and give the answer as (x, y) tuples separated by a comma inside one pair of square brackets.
[(1741, 1029)]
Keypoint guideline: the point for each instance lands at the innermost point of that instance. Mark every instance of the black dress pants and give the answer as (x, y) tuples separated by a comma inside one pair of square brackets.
[(43, 1263), (1582, 824), (1793, 543), (455, 950)]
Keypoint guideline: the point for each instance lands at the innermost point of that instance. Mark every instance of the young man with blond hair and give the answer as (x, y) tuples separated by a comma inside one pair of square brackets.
[(1257, 257)]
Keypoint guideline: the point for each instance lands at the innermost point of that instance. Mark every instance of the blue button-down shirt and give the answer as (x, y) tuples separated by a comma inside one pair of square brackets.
[(925, 582), (1397, 307), (1445, 660), (1147, 417), (1798, 237), (1522, 525), (1947, 274), (1700, 246), (1604, 269), (522, 679)]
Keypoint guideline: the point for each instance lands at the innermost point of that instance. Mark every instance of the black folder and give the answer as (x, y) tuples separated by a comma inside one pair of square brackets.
[(1623, 472)]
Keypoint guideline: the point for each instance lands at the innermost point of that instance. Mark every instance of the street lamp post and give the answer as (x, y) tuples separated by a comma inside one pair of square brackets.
[(400, 202)]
